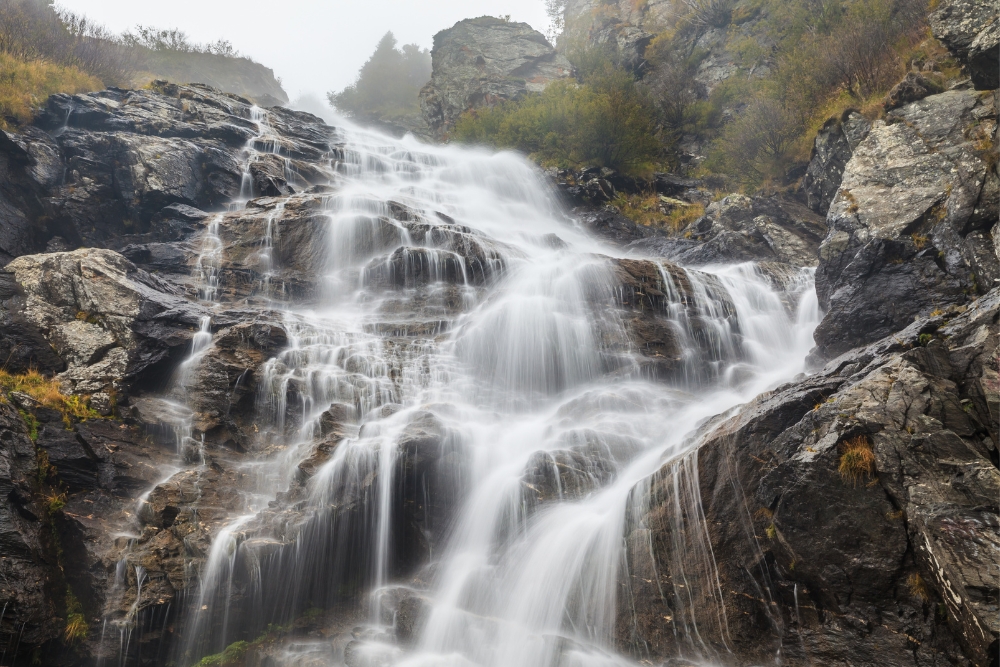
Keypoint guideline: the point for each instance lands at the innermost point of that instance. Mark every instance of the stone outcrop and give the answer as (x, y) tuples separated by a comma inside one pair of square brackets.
[(912, 226), (481, 62), (832, 150), (743, 229), (971, 30), (852, 515), (112, 323)]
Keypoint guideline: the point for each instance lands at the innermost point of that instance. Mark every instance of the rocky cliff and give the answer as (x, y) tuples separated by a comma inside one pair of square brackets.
[(848, 516)]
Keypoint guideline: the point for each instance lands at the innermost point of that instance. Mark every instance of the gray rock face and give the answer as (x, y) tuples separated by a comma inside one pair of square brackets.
[(480, 62), (909, 225), (108, 320), (29, 163), (870, 564), (26, 567), (832, 150), (128, 156), (971, 30), (743, 229)]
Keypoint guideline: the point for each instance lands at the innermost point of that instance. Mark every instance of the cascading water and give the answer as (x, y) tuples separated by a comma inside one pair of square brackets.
[(464, 320)]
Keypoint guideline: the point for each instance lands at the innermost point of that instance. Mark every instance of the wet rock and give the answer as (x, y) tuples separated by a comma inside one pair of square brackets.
[(483, 61), (429, 472), (28, 568), (901, 240), (971, 30), (612, 226), (832, 150), (26, 165), (780, 498), (913, 87), (741, 229), (225, 379)]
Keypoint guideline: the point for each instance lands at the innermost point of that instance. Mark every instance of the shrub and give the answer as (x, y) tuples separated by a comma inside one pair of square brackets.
[(757, 142), (609, 121), (857, 460)]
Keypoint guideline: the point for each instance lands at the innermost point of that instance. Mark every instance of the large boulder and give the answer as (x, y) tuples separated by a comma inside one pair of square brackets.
[(480, 62), (112, 323), (971, 30), (911, 226), (852, 515)]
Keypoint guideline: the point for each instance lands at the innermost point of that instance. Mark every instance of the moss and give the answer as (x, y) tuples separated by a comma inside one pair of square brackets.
[(32, 423)]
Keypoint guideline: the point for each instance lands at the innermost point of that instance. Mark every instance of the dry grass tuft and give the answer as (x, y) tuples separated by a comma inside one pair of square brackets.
[(48, 392), (857, 460), (649, 210), (25, 85)]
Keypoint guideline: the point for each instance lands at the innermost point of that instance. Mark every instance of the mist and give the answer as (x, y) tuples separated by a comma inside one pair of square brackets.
[(313, 46)]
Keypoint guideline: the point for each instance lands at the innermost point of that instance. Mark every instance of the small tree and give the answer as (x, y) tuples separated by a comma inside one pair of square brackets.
[(388, 83)]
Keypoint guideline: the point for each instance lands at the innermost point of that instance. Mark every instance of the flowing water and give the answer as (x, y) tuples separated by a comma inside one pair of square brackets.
[(473, 361)]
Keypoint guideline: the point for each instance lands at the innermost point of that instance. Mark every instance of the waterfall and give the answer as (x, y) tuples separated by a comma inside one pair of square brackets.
[(463, 425)]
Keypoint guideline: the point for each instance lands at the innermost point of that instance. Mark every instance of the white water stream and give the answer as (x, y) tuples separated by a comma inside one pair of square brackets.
[(523, 369)]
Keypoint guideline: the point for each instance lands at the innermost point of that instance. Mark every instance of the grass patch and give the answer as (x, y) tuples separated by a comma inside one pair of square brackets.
[(652, 211), (48, 392), (76, 623), (25, 85), (857, 460)]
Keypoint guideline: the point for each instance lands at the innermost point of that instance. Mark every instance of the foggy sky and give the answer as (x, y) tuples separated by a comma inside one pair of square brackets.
[(313, 45)]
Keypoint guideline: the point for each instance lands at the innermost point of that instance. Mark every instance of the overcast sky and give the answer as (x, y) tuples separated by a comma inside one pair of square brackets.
[(313, 45)]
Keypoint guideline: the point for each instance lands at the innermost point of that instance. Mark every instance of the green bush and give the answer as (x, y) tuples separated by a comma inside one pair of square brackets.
[(609, 121)]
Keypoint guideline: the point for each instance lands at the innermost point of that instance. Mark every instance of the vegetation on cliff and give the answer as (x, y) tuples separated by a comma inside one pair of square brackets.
[(44, 50), (608, 121), (746, 83)]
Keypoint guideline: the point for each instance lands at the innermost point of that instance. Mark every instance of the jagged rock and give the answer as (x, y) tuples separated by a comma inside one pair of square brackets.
[(26, 163), (901, 225), (971, 30), (110, 321), (27, 568), (889, 567), (832, 150), (913, 87), (613, 227), (225, 379), (742, 229), (480, 62)]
